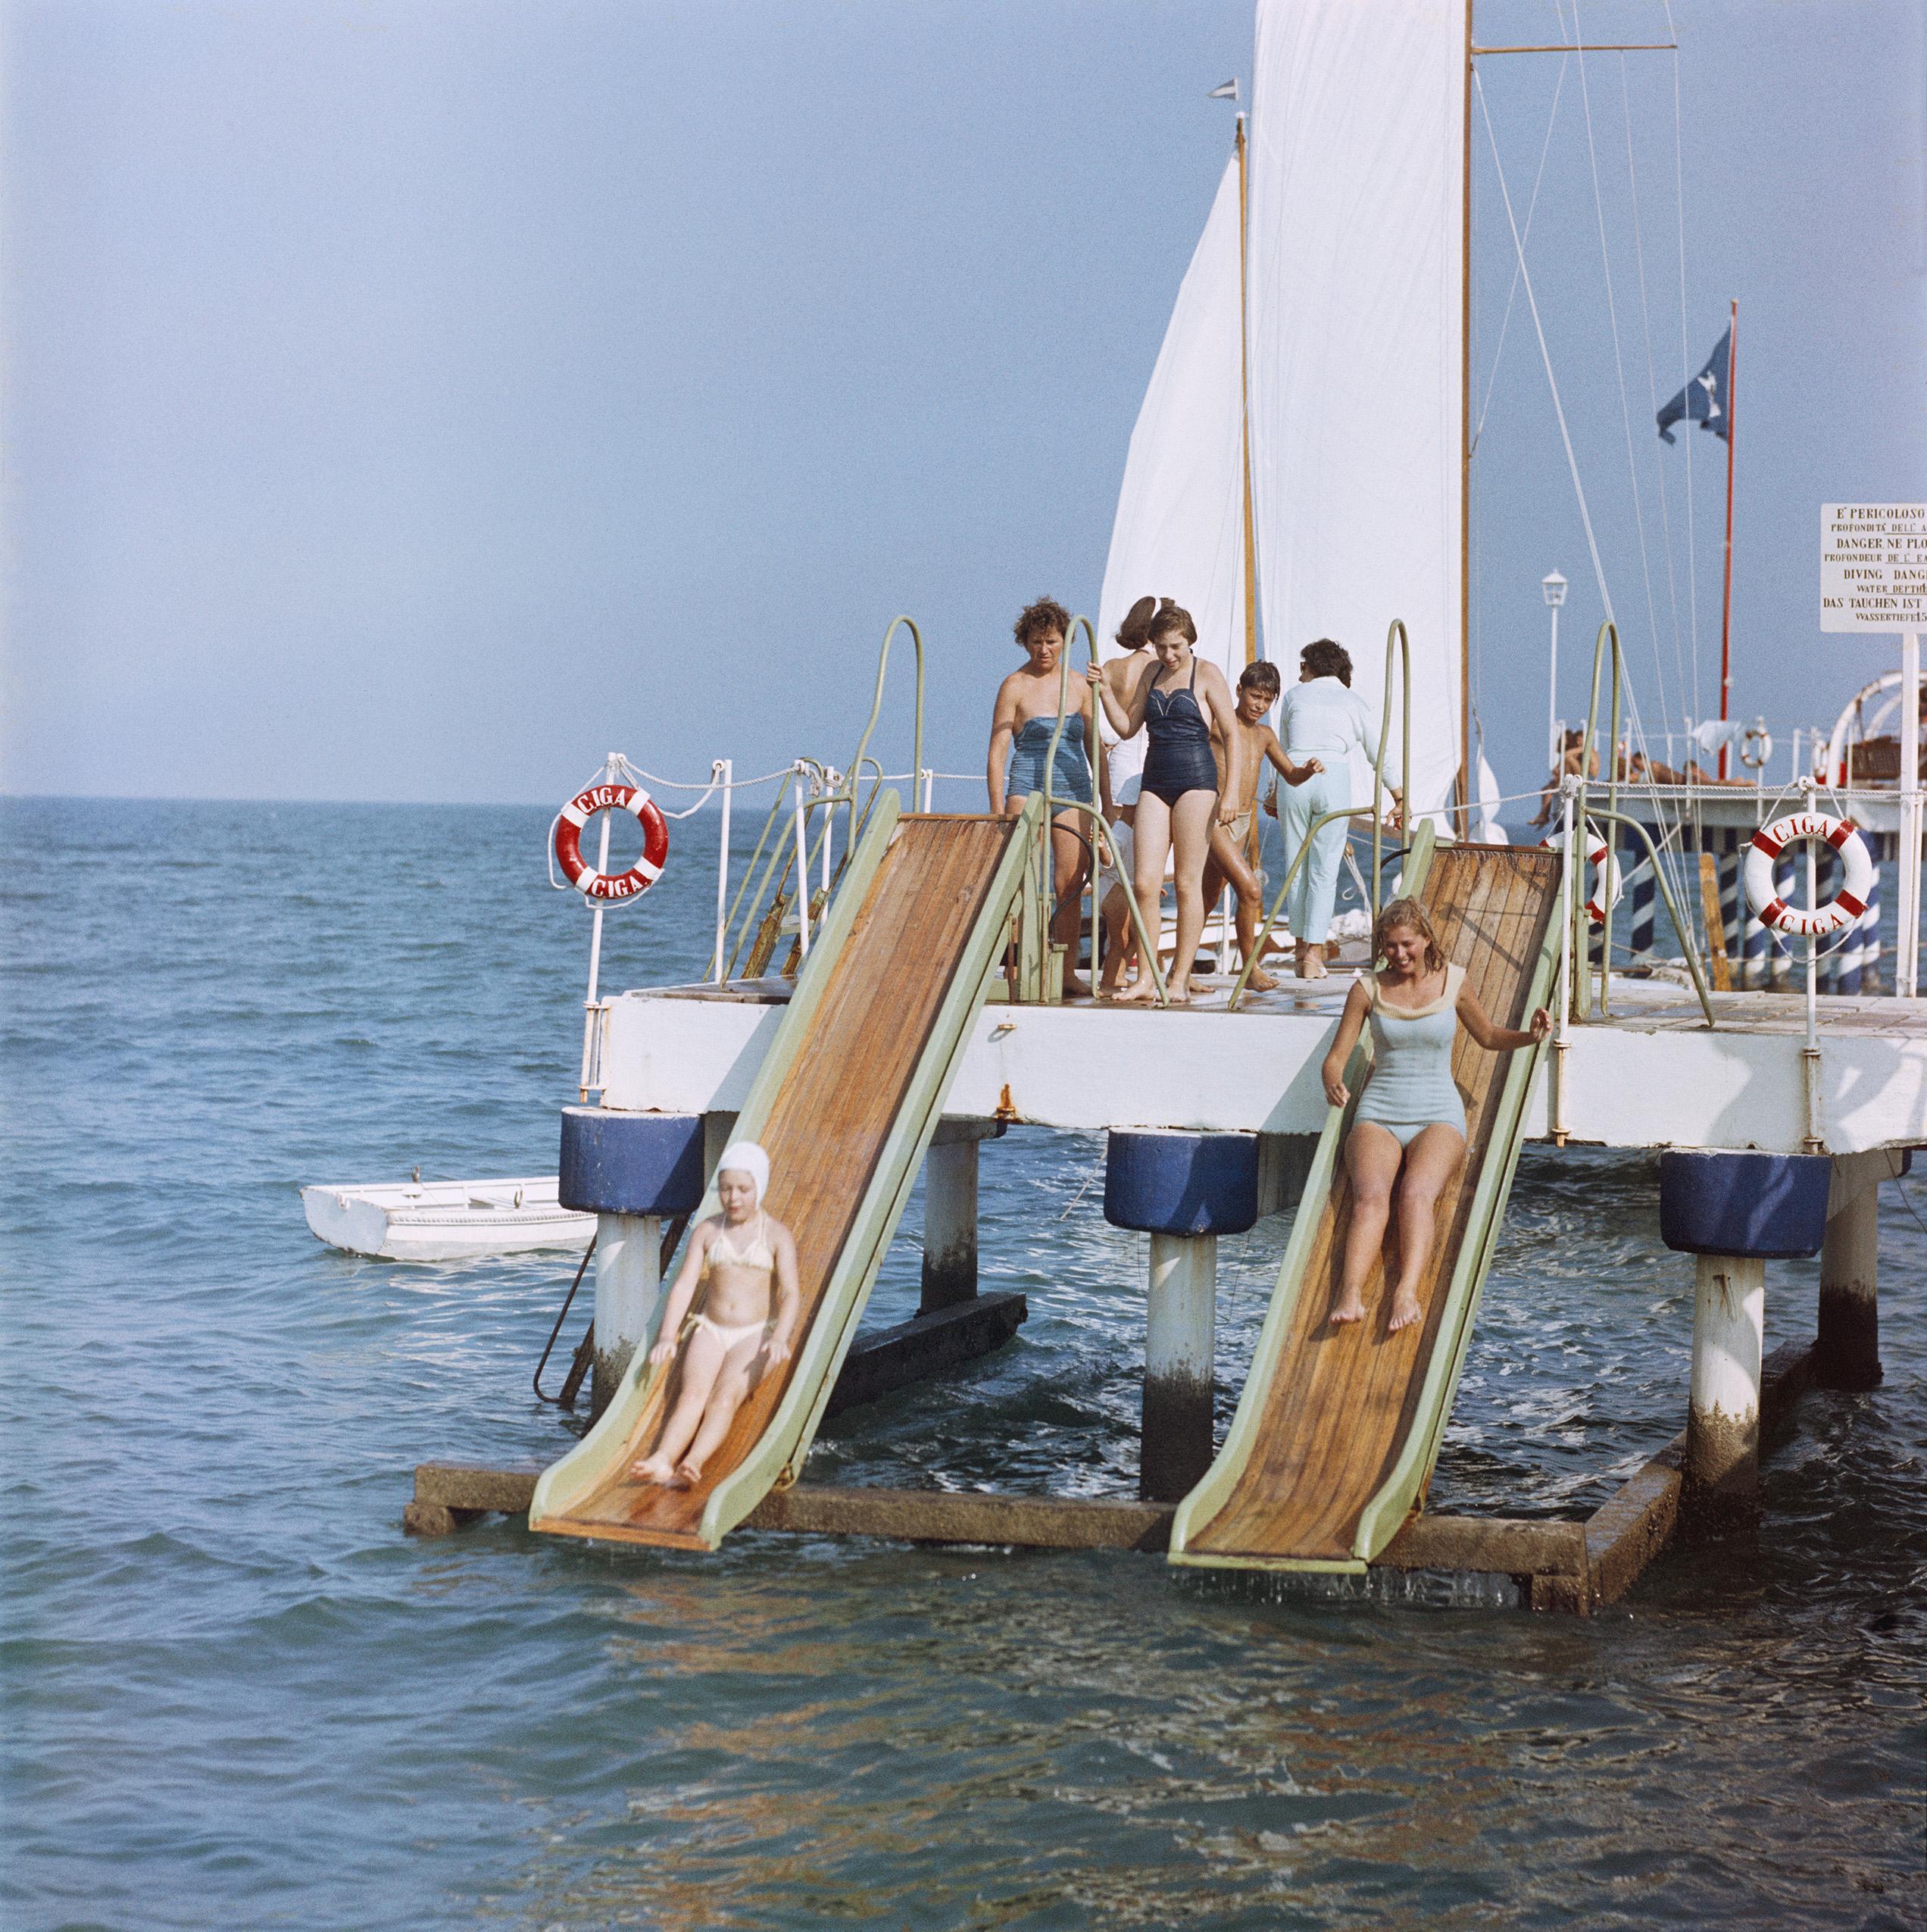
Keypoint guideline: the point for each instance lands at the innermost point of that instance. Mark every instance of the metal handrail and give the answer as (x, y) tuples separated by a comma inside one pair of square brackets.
[(1397, 629), (1101, 829), (1679, 925), (1047, 875), (876, 710)]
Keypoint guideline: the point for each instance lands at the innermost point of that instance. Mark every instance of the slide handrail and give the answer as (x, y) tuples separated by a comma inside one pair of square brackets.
[(1582, 955)]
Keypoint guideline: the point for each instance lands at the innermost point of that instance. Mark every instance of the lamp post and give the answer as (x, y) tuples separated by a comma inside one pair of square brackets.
[(1553, 585)]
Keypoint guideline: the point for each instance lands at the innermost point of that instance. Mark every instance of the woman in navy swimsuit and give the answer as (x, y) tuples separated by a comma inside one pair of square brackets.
[(1180, 702)]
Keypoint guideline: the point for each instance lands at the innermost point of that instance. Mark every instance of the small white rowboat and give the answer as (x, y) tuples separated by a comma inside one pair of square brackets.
[(445, 1220)]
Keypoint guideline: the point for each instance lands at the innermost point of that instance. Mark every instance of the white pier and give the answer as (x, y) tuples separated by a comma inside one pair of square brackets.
[(1651, 1075)]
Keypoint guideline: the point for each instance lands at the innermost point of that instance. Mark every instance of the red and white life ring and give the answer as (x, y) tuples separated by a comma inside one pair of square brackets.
[(615, 886), (1843, 909), (1608, 886)]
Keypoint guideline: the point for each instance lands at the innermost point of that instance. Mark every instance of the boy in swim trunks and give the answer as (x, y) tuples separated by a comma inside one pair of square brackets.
[(1250, 743), (744, 1262)]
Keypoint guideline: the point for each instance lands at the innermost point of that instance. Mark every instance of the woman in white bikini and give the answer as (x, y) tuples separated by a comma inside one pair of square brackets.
[(744, 1263)]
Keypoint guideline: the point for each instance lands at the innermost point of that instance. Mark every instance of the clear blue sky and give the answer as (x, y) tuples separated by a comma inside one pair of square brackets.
[(416, 401)]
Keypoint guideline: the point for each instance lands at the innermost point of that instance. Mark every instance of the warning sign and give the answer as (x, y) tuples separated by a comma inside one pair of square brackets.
[(1873, 567)]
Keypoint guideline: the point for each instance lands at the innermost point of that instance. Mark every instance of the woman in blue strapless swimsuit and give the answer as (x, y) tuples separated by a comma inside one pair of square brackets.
[(1410, 1116), (1021, 728), (1181, 702)]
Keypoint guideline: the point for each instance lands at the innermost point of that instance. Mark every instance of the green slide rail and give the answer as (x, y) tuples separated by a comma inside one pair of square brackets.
[(779, 1454), (1390, 1504)]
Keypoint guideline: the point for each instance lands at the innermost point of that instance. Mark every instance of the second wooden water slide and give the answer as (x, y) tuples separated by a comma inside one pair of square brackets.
[(844, 1103), (1338, 1429)]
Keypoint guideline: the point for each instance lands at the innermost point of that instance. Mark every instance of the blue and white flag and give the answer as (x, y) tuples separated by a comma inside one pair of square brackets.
[(1704, 400)]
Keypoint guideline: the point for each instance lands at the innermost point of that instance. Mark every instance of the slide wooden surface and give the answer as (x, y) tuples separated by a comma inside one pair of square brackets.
[(827, 1129), (1339, 1403)]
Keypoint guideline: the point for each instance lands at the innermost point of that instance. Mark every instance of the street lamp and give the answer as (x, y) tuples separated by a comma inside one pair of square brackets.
[(1553, 585)]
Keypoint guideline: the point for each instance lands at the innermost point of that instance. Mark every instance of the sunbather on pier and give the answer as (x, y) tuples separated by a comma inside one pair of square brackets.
[(1408, 1135), (743, 1263)]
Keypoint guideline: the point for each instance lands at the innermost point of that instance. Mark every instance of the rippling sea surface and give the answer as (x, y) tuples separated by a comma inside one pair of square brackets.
[(237, 1695)]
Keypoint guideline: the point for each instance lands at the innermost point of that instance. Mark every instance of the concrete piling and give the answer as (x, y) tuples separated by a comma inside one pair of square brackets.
[(628, 1286), (1180, 1336), (1721, 1469), (949, 1213), (1847, 1346)]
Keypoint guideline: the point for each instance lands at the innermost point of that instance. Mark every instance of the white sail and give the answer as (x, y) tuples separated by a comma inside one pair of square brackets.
[(1357, 169), (1179, 529)]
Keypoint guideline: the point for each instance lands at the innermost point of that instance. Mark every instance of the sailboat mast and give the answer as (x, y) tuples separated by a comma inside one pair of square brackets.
[(1244, 415), (1726, 602), (1466, 785)]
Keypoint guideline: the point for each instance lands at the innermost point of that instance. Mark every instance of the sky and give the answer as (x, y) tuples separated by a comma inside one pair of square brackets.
[(417, 399)]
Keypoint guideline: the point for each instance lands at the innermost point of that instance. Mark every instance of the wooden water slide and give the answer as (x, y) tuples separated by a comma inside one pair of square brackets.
[(1338, 1429), (844, 1103)]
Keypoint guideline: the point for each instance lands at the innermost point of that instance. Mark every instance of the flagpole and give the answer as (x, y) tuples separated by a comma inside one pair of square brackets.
[(1726, 612), (1244, 417), (1466, 785)]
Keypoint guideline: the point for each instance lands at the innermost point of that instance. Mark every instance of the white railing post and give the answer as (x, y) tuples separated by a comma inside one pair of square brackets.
[(1907, 953), (1563, 1040), (802, 873), (725, 770), (588, 1069)]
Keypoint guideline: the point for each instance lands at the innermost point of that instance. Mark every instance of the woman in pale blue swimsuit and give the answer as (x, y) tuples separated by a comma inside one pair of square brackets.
[(1022, 725), (1410, 1116)]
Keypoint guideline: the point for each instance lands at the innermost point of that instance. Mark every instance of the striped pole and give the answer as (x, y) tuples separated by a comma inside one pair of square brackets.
[(1643, 898), (1754, 954), (1728, 838)]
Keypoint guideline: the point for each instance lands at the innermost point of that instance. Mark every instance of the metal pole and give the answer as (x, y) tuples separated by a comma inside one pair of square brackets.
[(802, 874), (1563, 1040), (1810, 1054), (1552, 697), (1907, 961), (1726, 606), (595, 962), (726, 770)]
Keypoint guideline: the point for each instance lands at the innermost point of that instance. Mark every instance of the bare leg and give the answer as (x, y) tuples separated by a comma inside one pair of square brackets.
[(1430, 1162), (702, 1362), (1154, 835), (1190, 831), (1120, 943), (1229, 863), (740, 1374), (1373, 1158), (1069, 867)]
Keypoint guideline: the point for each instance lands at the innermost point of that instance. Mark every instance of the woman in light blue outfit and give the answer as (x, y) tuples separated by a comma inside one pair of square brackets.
[(1323, 718), (1411, 1116)]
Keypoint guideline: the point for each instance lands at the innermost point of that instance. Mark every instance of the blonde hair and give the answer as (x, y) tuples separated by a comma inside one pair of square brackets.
[(1409, 914)]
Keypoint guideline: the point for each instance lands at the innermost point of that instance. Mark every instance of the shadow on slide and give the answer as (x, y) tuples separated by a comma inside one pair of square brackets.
[(1338, 1429), (845, 1103)]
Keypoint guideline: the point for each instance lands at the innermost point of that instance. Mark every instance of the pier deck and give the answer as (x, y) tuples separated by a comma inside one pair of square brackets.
[(1650, 1076)]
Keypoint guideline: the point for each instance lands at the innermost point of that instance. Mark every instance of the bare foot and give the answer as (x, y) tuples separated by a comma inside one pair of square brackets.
[(1179, 995), (1405, 1310), (1350, 1308), (688, 1474), (1074, 988), (649, 1469), (1261, 981), (1139, 989)]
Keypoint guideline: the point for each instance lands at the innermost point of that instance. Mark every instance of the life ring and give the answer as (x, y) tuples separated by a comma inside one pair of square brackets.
[(615, 886), (1600, 856), (1843, 909), (1756, 746)]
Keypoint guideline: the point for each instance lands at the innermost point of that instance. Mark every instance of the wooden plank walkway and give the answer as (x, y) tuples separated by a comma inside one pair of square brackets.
[(828, 1126), (1339, 1403)]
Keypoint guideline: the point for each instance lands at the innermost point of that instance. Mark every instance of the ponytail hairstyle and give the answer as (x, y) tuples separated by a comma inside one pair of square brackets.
[(1135, 632), (1171, 617), (1411, 914)]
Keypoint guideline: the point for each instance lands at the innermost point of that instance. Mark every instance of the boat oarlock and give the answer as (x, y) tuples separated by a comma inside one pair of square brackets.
[(617, 886), (1846, 905), (1608, 885)]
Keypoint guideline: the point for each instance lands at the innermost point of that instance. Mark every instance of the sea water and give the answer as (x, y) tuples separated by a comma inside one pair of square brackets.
[(237, 1695)]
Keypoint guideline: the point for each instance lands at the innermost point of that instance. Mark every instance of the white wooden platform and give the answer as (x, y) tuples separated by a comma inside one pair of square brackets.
[(1652, 1076)]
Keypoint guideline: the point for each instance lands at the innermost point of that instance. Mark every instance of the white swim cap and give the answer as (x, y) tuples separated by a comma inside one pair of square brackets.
[(745, 1157)]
